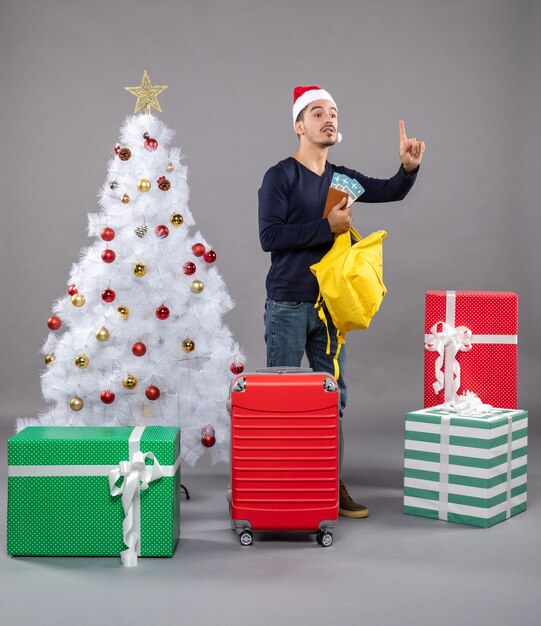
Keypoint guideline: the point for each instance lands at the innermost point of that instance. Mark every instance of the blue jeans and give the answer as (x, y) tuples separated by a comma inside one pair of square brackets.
[(293, 328)]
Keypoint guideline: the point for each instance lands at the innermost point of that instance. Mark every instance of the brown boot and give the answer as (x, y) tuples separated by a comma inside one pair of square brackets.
[(349, 508)]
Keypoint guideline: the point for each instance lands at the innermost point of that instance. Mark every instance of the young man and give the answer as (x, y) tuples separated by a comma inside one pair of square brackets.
[(292, 228)]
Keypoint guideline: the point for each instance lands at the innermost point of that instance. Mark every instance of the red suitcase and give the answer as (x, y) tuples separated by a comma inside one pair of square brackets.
[(284, 453)]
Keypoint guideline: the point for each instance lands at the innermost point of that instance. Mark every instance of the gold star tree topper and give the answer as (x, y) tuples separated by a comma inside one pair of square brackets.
[(147, 94)]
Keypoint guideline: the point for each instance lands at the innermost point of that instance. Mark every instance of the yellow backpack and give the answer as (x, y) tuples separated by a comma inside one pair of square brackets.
[(350, 278)]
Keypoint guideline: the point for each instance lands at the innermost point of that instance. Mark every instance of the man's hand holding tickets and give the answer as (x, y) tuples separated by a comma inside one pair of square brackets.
[(340, 217)]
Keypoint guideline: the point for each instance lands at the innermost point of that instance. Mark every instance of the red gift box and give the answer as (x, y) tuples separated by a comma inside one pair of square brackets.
[(471, 345)]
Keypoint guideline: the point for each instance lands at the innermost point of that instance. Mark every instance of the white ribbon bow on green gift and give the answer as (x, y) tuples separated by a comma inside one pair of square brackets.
[(136, 475)]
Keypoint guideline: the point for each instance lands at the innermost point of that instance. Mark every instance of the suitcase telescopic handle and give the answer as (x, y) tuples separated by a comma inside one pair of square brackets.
[(281, 369)]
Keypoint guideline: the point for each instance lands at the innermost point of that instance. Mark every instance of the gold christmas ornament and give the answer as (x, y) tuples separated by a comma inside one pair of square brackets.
[(130, 382), (170, 167), (143, 184), (188, 345), (176, 219), (76, 404), (50, 359), (82, 361), (124, 311), (139, 269), (197, 286), (102, 334), (147, 94), (78, 300), (125, 198)]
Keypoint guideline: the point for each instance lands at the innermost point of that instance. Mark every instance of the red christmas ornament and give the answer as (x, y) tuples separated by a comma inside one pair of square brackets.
[(107, 234), (161, 231), (72, 290), (152, 392), (198, 249), (207, 431), (108, 256), (208, 438), (162, 312), (210, 256), (54, 323), (237, 368), (151, 144), (107, 397), (139, 348), (108, 295), (189, 268)]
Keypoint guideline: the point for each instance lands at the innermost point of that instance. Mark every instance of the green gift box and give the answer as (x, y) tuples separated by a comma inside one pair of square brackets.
[(465, 469), (94, 491)]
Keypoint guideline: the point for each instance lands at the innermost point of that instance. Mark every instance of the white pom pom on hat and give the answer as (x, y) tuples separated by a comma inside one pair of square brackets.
[(303, 96)]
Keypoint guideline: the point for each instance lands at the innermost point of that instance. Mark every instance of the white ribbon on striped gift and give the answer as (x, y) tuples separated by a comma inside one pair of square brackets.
[(444, 467), (509, 465), (448, 340), (467, 405)]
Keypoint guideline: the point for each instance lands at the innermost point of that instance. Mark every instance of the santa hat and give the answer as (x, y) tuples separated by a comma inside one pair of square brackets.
[(303, 96)]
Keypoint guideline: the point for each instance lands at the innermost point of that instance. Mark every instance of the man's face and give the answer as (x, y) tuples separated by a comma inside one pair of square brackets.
[(320, 123)]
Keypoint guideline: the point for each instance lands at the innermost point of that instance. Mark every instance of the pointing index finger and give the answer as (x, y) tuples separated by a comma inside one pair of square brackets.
[(402, 126)]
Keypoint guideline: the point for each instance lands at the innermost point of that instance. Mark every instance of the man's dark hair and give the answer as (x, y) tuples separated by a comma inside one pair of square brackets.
[(300, 116)]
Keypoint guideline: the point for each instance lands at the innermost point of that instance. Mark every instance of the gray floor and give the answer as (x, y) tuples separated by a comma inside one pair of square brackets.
[(388, 569)]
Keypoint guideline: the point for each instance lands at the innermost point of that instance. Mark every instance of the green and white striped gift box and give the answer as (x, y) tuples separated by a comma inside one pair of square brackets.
[(68, 486), (470, 470)]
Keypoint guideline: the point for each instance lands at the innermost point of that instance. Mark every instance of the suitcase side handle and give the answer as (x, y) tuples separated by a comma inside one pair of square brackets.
[(283, 369)]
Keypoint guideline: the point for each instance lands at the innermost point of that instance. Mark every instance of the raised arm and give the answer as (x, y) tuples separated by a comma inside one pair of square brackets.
[(411, 150)]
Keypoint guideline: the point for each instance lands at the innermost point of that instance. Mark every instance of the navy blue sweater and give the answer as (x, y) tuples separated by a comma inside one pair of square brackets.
[(291, 224)]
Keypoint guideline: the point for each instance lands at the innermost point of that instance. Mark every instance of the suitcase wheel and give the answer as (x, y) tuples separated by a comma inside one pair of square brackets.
[(324, 539), (246, 538)]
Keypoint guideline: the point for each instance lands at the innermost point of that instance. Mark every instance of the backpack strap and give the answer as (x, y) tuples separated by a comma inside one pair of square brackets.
[(340, 336), (321, 313), (341, 339)]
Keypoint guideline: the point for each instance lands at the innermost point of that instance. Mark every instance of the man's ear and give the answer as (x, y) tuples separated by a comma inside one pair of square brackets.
[(299, 128)]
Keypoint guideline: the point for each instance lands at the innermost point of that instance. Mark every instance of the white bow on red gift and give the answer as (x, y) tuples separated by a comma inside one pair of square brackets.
[(447, 342)]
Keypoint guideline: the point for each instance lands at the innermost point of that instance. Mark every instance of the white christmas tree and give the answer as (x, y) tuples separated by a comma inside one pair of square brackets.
[(139, 339)]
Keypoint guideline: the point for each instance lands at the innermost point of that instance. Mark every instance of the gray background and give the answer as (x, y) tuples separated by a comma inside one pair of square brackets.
[(464, 75)]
